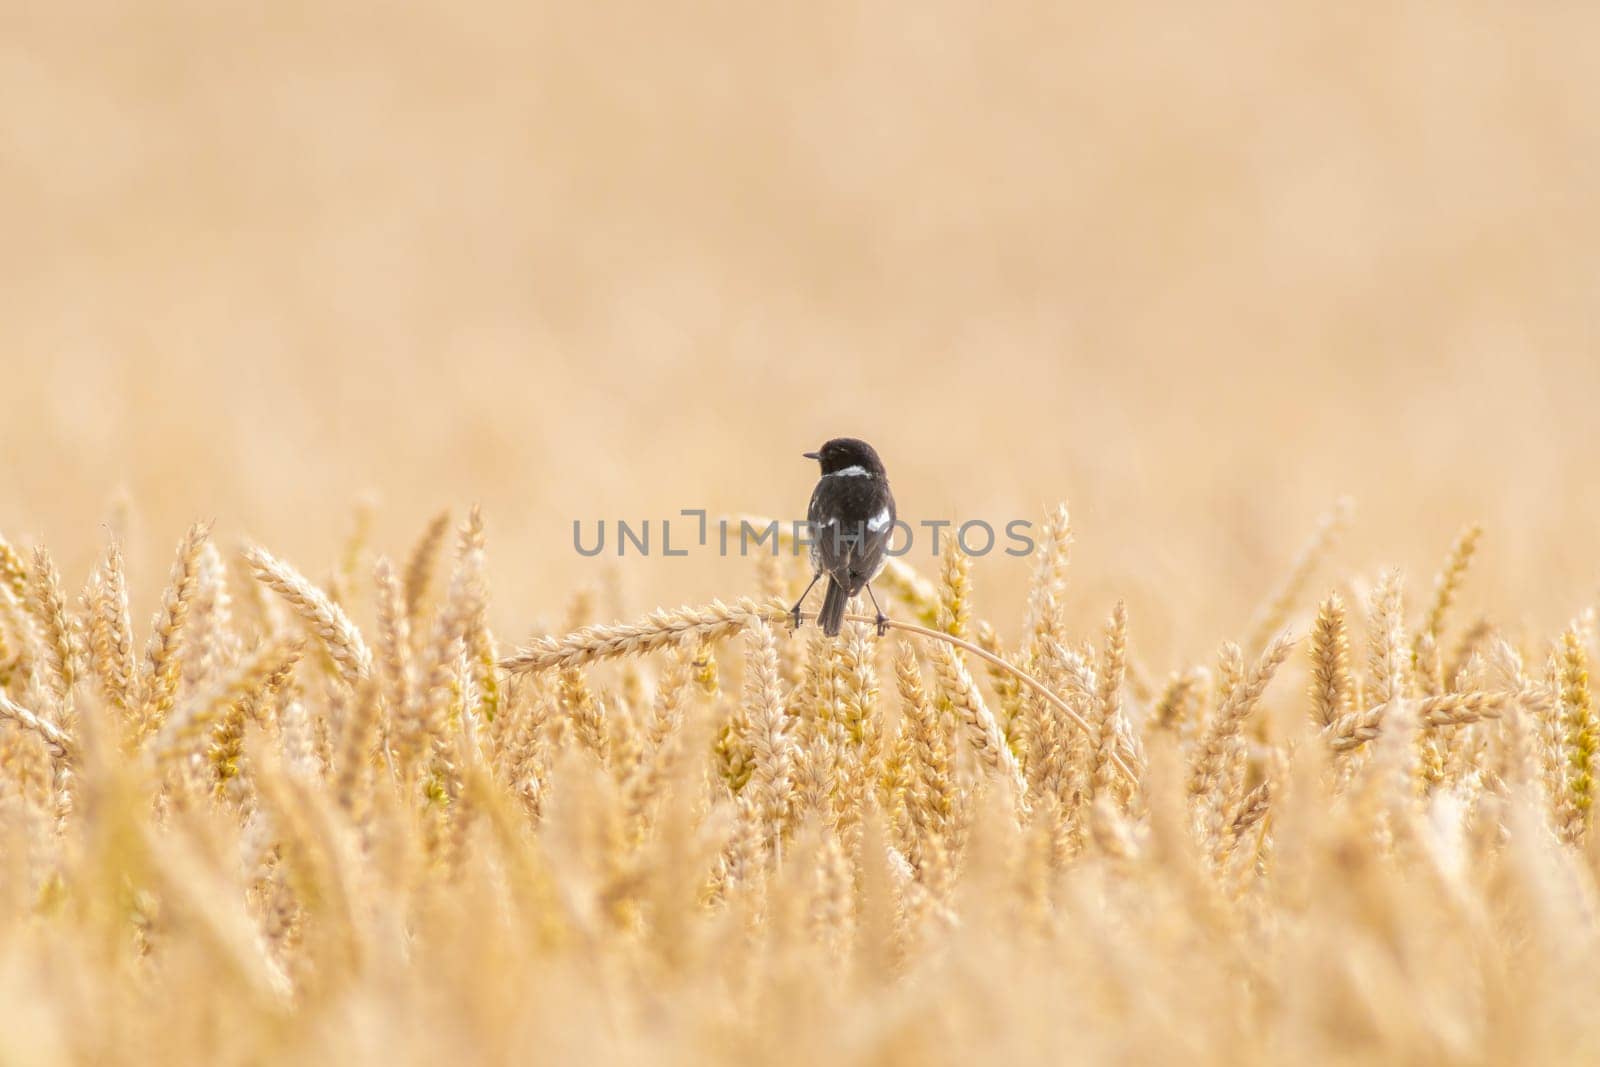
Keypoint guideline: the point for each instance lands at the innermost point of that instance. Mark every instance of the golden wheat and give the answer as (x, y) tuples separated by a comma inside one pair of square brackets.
[(660, 794), (327, 622), (333, 273)]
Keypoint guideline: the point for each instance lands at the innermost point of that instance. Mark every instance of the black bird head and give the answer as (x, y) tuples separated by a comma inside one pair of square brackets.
[(842, 453)]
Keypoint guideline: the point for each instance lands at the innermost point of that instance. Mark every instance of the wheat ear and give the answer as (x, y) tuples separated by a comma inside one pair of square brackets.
[(767, 733), (1330, 663), (1447, 586), (320, 615), (111, 635), (1274, 615), (50, 613), (1578, 723), (1355, 728), (420, 564), (1229, 718), (164, 653), (955, 589), (981, 727), (61, 744)]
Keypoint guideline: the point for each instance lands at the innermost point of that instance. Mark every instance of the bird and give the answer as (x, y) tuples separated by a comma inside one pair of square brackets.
[(851, 518)]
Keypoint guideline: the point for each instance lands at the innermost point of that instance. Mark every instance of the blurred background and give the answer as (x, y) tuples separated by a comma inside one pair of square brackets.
[(1198, 270)]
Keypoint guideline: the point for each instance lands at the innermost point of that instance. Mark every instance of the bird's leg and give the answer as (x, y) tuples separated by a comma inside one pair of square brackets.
[(882, 619), (794, 612)]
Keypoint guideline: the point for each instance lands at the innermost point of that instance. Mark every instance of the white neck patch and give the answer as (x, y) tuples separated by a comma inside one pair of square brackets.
[(850, 472)]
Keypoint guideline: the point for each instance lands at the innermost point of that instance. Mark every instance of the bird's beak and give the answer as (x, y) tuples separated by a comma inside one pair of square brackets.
[(812, 455)]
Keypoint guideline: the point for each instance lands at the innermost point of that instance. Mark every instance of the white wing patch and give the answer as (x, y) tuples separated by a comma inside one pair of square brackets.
[(878, 521)]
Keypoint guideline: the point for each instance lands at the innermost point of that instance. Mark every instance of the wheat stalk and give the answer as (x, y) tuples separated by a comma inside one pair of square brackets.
[(164, 653), (1206, 781), (60, 742), (717, 621), (1356, 728), (1274, 615), (955, 588), (767, 733), (111, 636), (246, 684), (1108, 700), (420, 564), (1330, 664), (326, 621), (49, 608), (1447, 586), (1578, 722), (981, 728)]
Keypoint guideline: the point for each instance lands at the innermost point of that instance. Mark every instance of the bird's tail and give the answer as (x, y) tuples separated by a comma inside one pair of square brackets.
[(831, 617)]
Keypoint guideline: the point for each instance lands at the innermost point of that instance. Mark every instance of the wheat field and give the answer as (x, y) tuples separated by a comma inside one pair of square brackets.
[(322, 326)]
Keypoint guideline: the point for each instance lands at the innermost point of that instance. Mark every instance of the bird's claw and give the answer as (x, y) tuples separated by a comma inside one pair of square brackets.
[(883, 624)]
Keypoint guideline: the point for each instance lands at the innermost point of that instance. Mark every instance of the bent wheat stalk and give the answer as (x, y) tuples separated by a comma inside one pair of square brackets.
[(325, 619), (58, 740), (1356, 728), (663, 629)]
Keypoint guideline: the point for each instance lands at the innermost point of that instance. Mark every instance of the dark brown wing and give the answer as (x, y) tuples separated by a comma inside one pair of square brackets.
[(846, 546)]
